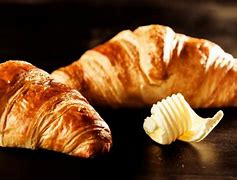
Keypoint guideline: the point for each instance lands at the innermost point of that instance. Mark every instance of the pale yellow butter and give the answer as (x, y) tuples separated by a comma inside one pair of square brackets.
[(173, 118)]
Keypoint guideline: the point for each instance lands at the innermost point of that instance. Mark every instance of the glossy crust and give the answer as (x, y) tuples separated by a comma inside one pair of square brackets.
[(141, 67), (37, 112)]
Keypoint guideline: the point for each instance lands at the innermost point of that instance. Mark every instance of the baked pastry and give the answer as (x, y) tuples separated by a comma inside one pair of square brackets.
[(141, 67), (37, 112)]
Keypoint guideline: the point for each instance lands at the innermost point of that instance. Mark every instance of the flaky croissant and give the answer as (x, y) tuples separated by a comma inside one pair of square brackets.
[(37, 112), (141, 67)]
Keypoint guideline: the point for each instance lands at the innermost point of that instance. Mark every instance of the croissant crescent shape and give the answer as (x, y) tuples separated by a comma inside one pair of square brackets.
[(141, 67), (38, 112)]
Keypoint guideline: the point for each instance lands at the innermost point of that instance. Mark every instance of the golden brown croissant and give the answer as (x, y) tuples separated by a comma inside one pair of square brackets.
[(141, 67), (37, 112)]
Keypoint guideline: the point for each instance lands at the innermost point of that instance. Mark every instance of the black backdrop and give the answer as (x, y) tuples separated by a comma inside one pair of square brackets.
[(51, 34), (54, 33)]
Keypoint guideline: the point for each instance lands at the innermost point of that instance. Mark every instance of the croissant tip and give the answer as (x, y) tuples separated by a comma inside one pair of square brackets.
[(94, 146), (95, 149), (101, 145)]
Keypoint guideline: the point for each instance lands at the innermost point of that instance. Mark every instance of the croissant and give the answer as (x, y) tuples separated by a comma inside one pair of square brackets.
[(139, 68), (38, 112)]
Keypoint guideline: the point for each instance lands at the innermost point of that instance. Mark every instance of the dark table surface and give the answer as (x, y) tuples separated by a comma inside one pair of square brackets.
[(51, 35)]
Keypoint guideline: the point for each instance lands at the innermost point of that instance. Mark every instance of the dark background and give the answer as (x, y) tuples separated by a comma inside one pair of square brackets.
[(54, 33), (51, 34)]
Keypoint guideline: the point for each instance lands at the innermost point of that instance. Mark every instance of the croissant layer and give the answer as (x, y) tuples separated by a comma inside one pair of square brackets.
[(38, 112), (141, 67)]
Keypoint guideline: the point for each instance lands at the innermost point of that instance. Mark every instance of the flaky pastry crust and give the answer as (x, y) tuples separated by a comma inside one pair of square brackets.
[(138, 68), (38, 112)]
